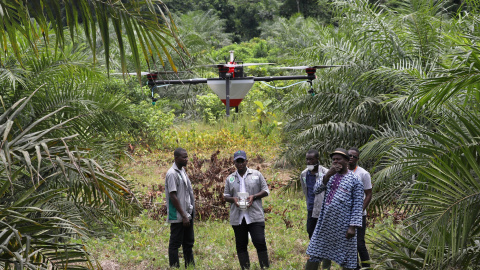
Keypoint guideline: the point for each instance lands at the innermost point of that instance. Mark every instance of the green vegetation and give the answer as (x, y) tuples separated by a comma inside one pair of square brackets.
[(82, 151), (147, 244)]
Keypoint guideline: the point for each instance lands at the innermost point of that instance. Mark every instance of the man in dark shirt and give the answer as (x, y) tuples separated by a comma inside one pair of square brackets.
[(308, 178)]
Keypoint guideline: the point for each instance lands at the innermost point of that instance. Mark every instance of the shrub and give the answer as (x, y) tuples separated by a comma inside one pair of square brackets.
[(210, 107)]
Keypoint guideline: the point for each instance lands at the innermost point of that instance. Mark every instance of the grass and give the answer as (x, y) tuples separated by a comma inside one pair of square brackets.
[(145, 245)]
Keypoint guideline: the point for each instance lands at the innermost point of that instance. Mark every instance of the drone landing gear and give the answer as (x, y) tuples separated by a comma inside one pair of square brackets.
[(311, 91)]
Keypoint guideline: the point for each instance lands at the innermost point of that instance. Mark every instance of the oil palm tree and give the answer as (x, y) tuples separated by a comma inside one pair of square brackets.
[(51, 190), (424, 151), (147, 25), (58, 153), (431, 167), (440, 186)]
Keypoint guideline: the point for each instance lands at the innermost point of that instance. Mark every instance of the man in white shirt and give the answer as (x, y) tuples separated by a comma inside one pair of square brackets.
[(364, 176)]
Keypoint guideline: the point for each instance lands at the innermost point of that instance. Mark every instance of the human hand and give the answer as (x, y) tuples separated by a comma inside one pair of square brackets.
[(235, 201), (350, 232), (250, 200), (186, 221), (333, 170)]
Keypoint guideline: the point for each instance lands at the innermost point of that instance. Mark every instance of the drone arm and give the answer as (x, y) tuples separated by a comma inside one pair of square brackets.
[(284, 78), (187, 81)]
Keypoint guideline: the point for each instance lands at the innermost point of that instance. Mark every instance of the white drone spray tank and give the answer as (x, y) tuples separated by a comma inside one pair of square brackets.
[(238, 86)]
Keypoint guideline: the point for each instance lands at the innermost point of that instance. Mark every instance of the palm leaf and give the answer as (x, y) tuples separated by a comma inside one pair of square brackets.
[(95, 14)]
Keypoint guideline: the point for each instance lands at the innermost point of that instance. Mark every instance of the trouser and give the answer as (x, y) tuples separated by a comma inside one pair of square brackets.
[(181, 236), (257, 232), (311, 224), (361, 247)]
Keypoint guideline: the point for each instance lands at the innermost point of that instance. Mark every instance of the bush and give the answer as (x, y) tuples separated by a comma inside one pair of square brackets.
[(150, 126), (210, 107)]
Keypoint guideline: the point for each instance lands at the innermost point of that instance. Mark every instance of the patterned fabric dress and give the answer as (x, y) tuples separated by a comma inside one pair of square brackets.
[(342, 207)]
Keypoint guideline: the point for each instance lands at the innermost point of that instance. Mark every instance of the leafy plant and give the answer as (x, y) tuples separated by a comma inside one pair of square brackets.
[(51, 190), (210, 107), (263, 118), (147, 24)]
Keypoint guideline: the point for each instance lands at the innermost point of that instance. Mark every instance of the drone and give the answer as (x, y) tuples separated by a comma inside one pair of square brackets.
[(232, 85)]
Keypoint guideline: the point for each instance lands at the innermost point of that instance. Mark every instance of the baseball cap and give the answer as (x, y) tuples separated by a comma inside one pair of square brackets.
[(239, 154)]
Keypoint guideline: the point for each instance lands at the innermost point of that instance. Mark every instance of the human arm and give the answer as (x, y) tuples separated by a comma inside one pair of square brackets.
[(230, 199), (319, 186), (303, 184), (176, 204), (368, 198), (331, 172), (264, 191), (256, 196), (367, 185)]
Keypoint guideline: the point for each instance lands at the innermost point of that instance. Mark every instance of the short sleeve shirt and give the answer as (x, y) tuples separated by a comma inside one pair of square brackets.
[(254, 183), (178, 181), (364, 176)]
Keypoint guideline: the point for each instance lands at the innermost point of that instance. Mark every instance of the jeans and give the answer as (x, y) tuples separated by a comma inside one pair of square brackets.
[(181, 236), (257, 232), (311, 224), (361, 247)]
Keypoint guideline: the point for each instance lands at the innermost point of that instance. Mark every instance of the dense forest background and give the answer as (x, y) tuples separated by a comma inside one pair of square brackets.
[(71, 112)]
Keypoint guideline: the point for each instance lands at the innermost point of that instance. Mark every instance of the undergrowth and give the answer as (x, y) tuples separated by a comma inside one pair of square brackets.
[(145, 244)]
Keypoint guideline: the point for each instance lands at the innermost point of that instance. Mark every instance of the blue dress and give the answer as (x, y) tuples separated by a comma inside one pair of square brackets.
[(342, 207)]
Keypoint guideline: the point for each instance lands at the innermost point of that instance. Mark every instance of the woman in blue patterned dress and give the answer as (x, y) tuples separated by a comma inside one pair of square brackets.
[(334, 237)]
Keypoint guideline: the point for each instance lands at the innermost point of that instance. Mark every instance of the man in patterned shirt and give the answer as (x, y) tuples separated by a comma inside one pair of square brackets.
[(334, 237)]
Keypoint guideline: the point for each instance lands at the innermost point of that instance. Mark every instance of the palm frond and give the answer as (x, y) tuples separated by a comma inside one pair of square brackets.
[(52, 190), (147, 22)]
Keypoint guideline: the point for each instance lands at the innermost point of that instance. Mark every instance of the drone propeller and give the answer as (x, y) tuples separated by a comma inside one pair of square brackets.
[(237, 65), (255, 64), (312, 67), (143, 73)]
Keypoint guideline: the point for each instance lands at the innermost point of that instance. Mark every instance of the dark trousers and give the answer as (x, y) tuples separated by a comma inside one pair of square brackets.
[(361, 247), (181, 236), (257, 232), (311, 224)]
